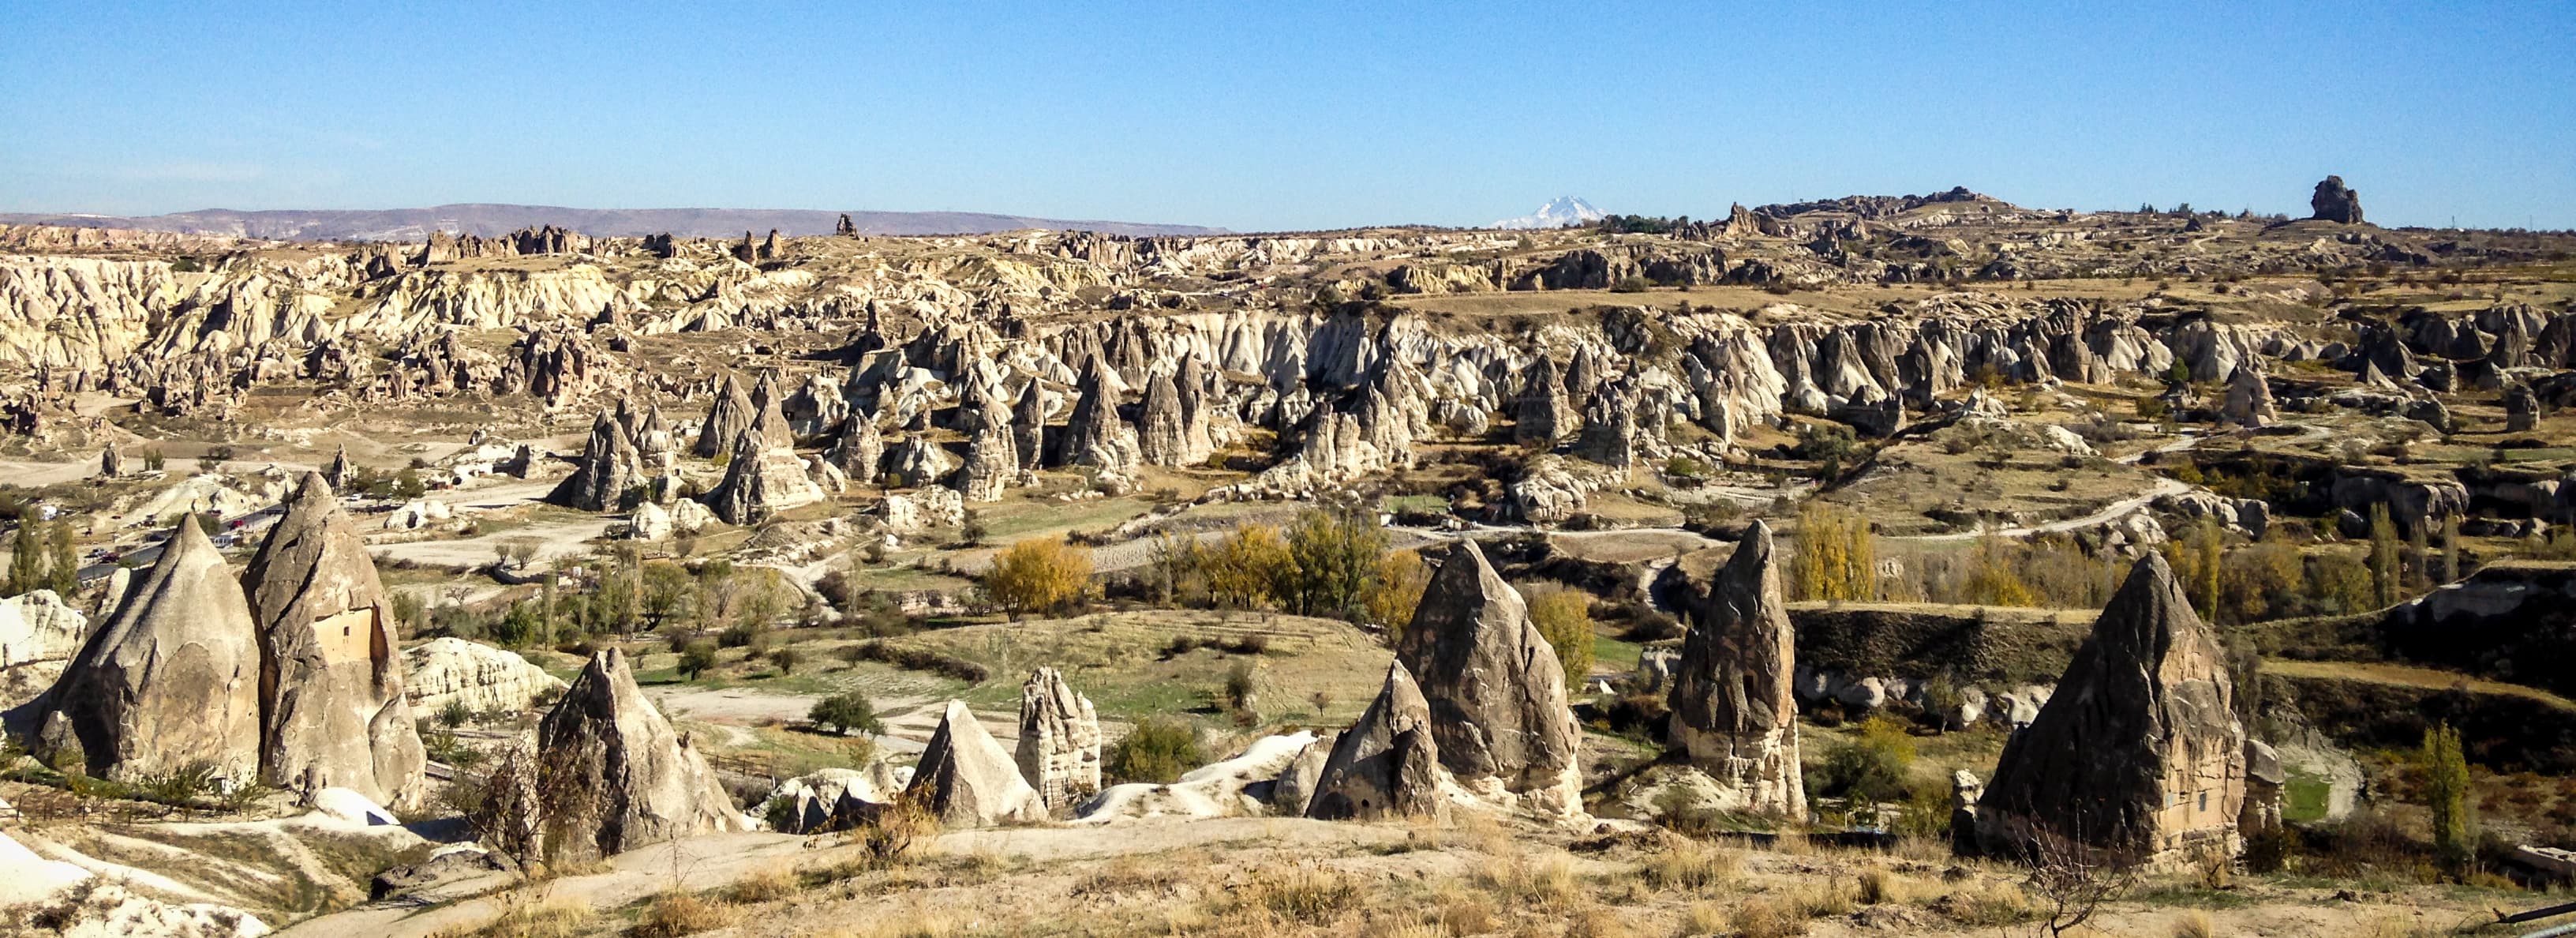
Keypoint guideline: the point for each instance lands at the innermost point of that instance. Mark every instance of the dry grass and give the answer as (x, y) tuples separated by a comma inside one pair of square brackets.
[(1693, 865), (673, 914), (1310, 895), (918, 921), (2192, 924), (1546, 882), (1705, 918), (765, 885), (1880, 885), (1598, 923), (1820, 899), (526, 916), (1986, 903), (1464, 912), (1766, 918)]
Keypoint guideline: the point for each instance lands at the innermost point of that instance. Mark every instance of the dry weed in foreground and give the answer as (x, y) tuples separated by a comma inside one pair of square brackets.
[(1597, 923), (1704, 918), (1880, 885), (674, 914), (1547, 882), (1464, 912), (919, 921), (1305, 894), (1986, 903), (2192, 924), (524, 915), (1692, 865), (766, 885), (1766, 918)]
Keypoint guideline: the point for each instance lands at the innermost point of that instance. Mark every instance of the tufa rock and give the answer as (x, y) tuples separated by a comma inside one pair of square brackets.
[(1541, 414), (1094, 436), (2138, 751), (1734, 710), (2333, 201), (447, 671), (966, 779), (610, 464), (1493, 685), (1385, 765), (646, 783), (172, 681), (2249, 400), (332, 709), (1059, 751), (731, 414)]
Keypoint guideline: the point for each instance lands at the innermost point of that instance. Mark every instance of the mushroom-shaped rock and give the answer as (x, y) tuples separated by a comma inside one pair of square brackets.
[(731, 414), (333, 712), (1059, 751), (1385, 765), (1495, 690), (645, 783), (1734, 709), (610, 464), (172, 680), (968, 780), (2138, 750)]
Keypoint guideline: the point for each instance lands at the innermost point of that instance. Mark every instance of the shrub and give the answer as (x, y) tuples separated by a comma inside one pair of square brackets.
[(1394, 592), (677, 913), (786, 659), (919, 659), (697, 659), (844, 712), (1564, 617), (1158, 750), (1868, 769), (1240, 694), (1040, 574), (2446, 794)]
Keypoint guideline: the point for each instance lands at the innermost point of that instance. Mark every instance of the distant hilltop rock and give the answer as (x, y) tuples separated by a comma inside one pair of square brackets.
[(2334, 201), (1559, 212), (491, 221)]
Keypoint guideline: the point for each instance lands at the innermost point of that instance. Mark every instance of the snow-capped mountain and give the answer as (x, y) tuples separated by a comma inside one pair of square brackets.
[(1557, 213)]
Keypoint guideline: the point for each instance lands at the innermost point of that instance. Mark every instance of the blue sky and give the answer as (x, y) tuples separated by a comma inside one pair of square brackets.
[(1288, 116)]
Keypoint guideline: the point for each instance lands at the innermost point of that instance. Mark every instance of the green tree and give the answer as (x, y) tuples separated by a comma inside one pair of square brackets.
[(1332, 554), (666, 591), (844, 712), (1564, 618), (697, 659), (63, 573), (2446, 794), (27, 553), (2387, 564), (407, 484)]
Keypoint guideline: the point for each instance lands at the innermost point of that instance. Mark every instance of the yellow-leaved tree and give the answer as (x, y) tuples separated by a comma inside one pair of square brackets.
[(1394, 592), (1564, 616), (1039, 575), (1837, 558), (1249, 568)]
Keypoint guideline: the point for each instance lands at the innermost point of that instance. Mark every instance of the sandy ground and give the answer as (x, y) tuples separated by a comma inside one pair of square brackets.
[(569, 537)]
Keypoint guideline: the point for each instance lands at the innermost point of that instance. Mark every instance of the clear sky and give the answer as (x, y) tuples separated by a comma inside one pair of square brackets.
[(1286, 116)]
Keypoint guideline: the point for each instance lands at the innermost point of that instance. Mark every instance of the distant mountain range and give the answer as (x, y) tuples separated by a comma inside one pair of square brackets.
[(1557, 213), (414, 224)]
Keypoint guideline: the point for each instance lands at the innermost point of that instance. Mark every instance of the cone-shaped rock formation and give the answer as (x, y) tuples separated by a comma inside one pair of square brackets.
[(644, 783), (1059, 751), (1493, 685), (332, 708), (172, 680), (1385, 765), (968, 779), (1734, 715)]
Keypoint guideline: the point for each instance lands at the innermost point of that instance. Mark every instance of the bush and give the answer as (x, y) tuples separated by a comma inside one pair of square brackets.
[(1039, 575), (786, 659), (844, 712), (1564, 617), (919, 659), (1868, 769), (697, 659), (1158, 750)]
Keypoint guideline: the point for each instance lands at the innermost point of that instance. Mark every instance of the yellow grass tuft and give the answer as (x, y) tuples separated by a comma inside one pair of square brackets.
[(676, 913)]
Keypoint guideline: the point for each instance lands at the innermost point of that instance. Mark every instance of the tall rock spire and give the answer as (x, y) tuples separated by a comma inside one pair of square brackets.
[(172, 680), (332, 709), (1734, 715)]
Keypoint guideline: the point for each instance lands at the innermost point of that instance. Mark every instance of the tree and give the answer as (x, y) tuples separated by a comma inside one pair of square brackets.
[(844, 712), (2387, 570), (973, 532), (27, 554), (1332, 554), (1157, 750), (1039, 574), (1394, 592), (1175, 565), (407, 484), (2419, 555), (1991, 579), (697, 659), (63, 575), (2451, 549), (665, 590), (1248, 568), (786, 658), (2446, 794), (1836, 557), (1564, 618)]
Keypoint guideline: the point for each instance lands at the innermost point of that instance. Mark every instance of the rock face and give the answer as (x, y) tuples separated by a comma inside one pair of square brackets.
[(481, 678), (731, 414), (1609, 429), (610, 464), (2138, 751), (2521, 409), (2249, 400), (1493, 685), (172, 680), (1162, 430), (1385, 765), (1734, 710), (1542, 413), (1059, 751), (647, 784), (832, 799), (763, 477), (1094, 436), (2333, 201), (332, 709), (37, 626), (1028, 425), (967, 779)]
